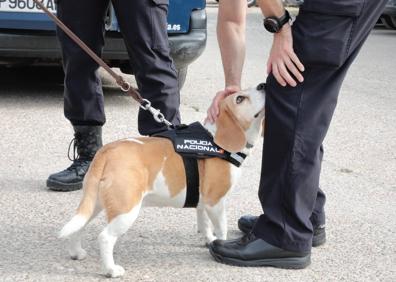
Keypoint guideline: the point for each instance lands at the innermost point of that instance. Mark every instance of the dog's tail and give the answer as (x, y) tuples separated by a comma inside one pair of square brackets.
[(90, 198)]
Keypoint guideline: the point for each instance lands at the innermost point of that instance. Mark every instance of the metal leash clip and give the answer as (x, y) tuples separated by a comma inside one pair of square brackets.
[(157, 115)]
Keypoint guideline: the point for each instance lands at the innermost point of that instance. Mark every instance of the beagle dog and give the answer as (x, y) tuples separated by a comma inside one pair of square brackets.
[(132, 173)]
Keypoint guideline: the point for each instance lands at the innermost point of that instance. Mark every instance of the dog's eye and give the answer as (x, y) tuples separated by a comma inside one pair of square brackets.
[(240, 99)]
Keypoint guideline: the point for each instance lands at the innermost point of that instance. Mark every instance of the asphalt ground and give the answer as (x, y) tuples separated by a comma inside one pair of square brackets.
[(358, 175)]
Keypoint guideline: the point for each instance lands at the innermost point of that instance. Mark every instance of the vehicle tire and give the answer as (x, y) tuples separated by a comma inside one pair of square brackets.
[(393, 19), (181, 76), (389, 22)]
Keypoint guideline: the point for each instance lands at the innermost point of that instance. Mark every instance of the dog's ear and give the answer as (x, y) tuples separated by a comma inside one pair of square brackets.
[(229, 134)]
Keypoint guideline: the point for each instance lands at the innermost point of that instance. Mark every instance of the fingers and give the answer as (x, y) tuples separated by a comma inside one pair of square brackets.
[(214, 109), (284, 64), (284, 68), (293, 69), (296, 61), (277, 75), (285, 75), (269, 67), (212, 112)]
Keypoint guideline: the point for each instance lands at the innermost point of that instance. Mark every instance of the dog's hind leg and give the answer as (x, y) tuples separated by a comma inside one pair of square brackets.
[(118, 225), (75, 249)]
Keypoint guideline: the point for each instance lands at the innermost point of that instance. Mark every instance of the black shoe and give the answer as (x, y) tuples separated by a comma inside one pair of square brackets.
[(247, 222), (87, 141), (252, 251)]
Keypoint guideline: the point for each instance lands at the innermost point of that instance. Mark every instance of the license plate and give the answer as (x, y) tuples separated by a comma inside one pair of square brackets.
[(26, 6)]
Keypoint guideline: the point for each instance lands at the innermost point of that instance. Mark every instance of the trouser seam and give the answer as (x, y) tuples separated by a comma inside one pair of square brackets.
[(291, 155)]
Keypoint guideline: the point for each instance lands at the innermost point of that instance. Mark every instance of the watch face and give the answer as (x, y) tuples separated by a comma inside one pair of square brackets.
[(271, 25)]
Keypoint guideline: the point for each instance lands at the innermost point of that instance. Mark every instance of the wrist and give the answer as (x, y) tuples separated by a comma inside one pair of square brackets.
[(235, 87), (284, 31)]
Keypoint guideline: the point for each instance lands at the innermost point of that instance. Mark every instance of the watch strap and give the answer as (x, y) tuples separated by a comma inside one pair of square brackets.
[(284, 19)]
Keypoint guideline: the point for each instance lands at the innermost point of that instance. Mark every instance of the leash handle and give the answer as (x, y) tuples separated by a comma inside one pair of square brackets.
[(125, 86)]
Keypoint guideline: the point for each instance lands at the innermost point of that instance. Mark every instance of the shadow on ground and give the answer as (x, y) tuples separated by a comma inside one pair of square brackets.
[(27, 84)]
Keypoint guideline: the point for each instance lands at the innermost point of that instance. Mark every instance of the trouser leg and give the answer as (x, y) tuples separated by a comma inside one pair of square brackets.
[(144, 27), (83, 96), (297, 120), (318, 218), (318, 214)]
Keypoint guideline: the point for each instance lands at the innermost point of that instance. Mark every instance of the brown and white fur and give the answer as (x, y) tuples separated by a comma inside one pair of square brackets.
[(132, 173)]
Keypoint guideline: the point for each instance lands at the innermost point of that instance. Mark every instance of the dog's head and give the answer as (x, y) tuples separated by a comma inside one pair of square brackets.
[(240, 119)]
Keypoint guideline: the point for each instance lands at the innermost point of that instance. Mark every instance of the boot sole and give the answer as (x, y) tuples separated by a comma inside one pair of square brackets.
[(317, 240), (285, 263), (63, 187)]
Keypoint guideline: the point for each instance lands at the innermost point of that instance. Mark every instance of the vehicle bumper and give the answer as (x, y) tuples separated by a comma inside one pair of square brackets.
[(42, 48), (390, 9)]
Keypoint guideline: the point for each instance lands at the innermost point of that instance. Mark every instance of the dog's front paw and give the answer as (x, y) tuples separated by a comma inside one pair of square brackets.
[(210, 238), (116, 271), (78, 254)]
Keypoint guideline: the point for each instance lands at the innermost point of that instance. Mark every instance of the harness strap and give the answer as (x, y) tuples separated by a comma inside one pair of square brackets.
[(235, 158), (192, 179)]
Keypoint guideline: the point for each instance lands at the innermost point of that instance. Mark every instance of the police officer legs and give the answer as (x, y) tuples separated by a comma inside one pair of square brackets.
[(143, 24), (327, 37)]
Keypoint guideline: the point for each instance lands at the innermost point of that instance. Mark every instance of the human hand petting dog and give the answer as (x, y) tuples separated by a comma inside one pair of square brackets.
[(213, 110), (283, 62)]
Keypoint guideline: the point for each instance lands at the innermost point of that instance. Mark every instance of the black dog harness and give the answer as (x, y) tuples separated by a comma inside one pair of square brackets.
[(194, 142)]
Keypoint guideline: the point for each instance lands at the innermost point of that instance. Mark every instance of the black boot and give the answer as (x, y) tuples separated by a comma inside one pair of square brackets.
[(87, 141)]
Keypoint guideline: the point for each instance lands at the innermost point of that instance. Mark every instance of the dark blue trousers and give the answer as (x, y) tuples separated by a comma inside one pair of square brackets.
[(327, 35), (143, 24)]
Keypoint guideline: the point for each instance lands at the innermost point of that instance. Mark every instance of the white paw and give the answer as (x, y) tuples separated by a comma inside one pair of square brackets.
[(116, 271), (78, 254), (210, 239), (221, 237)]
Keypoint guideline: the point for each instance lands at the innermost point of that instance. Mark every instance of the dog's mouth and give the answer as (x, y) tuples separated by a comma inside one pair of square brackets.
[(257, 115)]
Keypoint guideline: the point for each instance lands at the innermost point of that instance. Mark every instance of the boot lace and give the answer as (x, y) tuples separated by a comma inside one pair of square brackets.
[(75, 157), (247, 238)]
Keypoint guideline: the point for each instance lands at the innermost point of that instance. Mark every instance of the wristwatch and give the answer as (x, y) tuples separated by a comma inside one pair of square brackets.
[(274, 24)]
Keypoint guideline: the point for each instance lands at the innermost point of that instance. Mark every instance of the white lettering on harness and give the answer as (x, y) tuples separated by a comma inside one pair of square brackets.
[(199, 145), (198, 142)]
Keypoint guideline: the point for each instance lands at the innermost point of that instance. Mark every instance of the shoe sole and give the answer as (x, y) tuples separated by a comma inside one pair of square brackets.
[(285, 263), (317, 240), (63, 187)]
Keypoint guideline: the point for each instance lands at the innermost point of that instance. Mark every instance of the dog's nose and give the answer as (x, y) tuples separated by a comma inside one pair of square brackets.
[(261, 87)]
